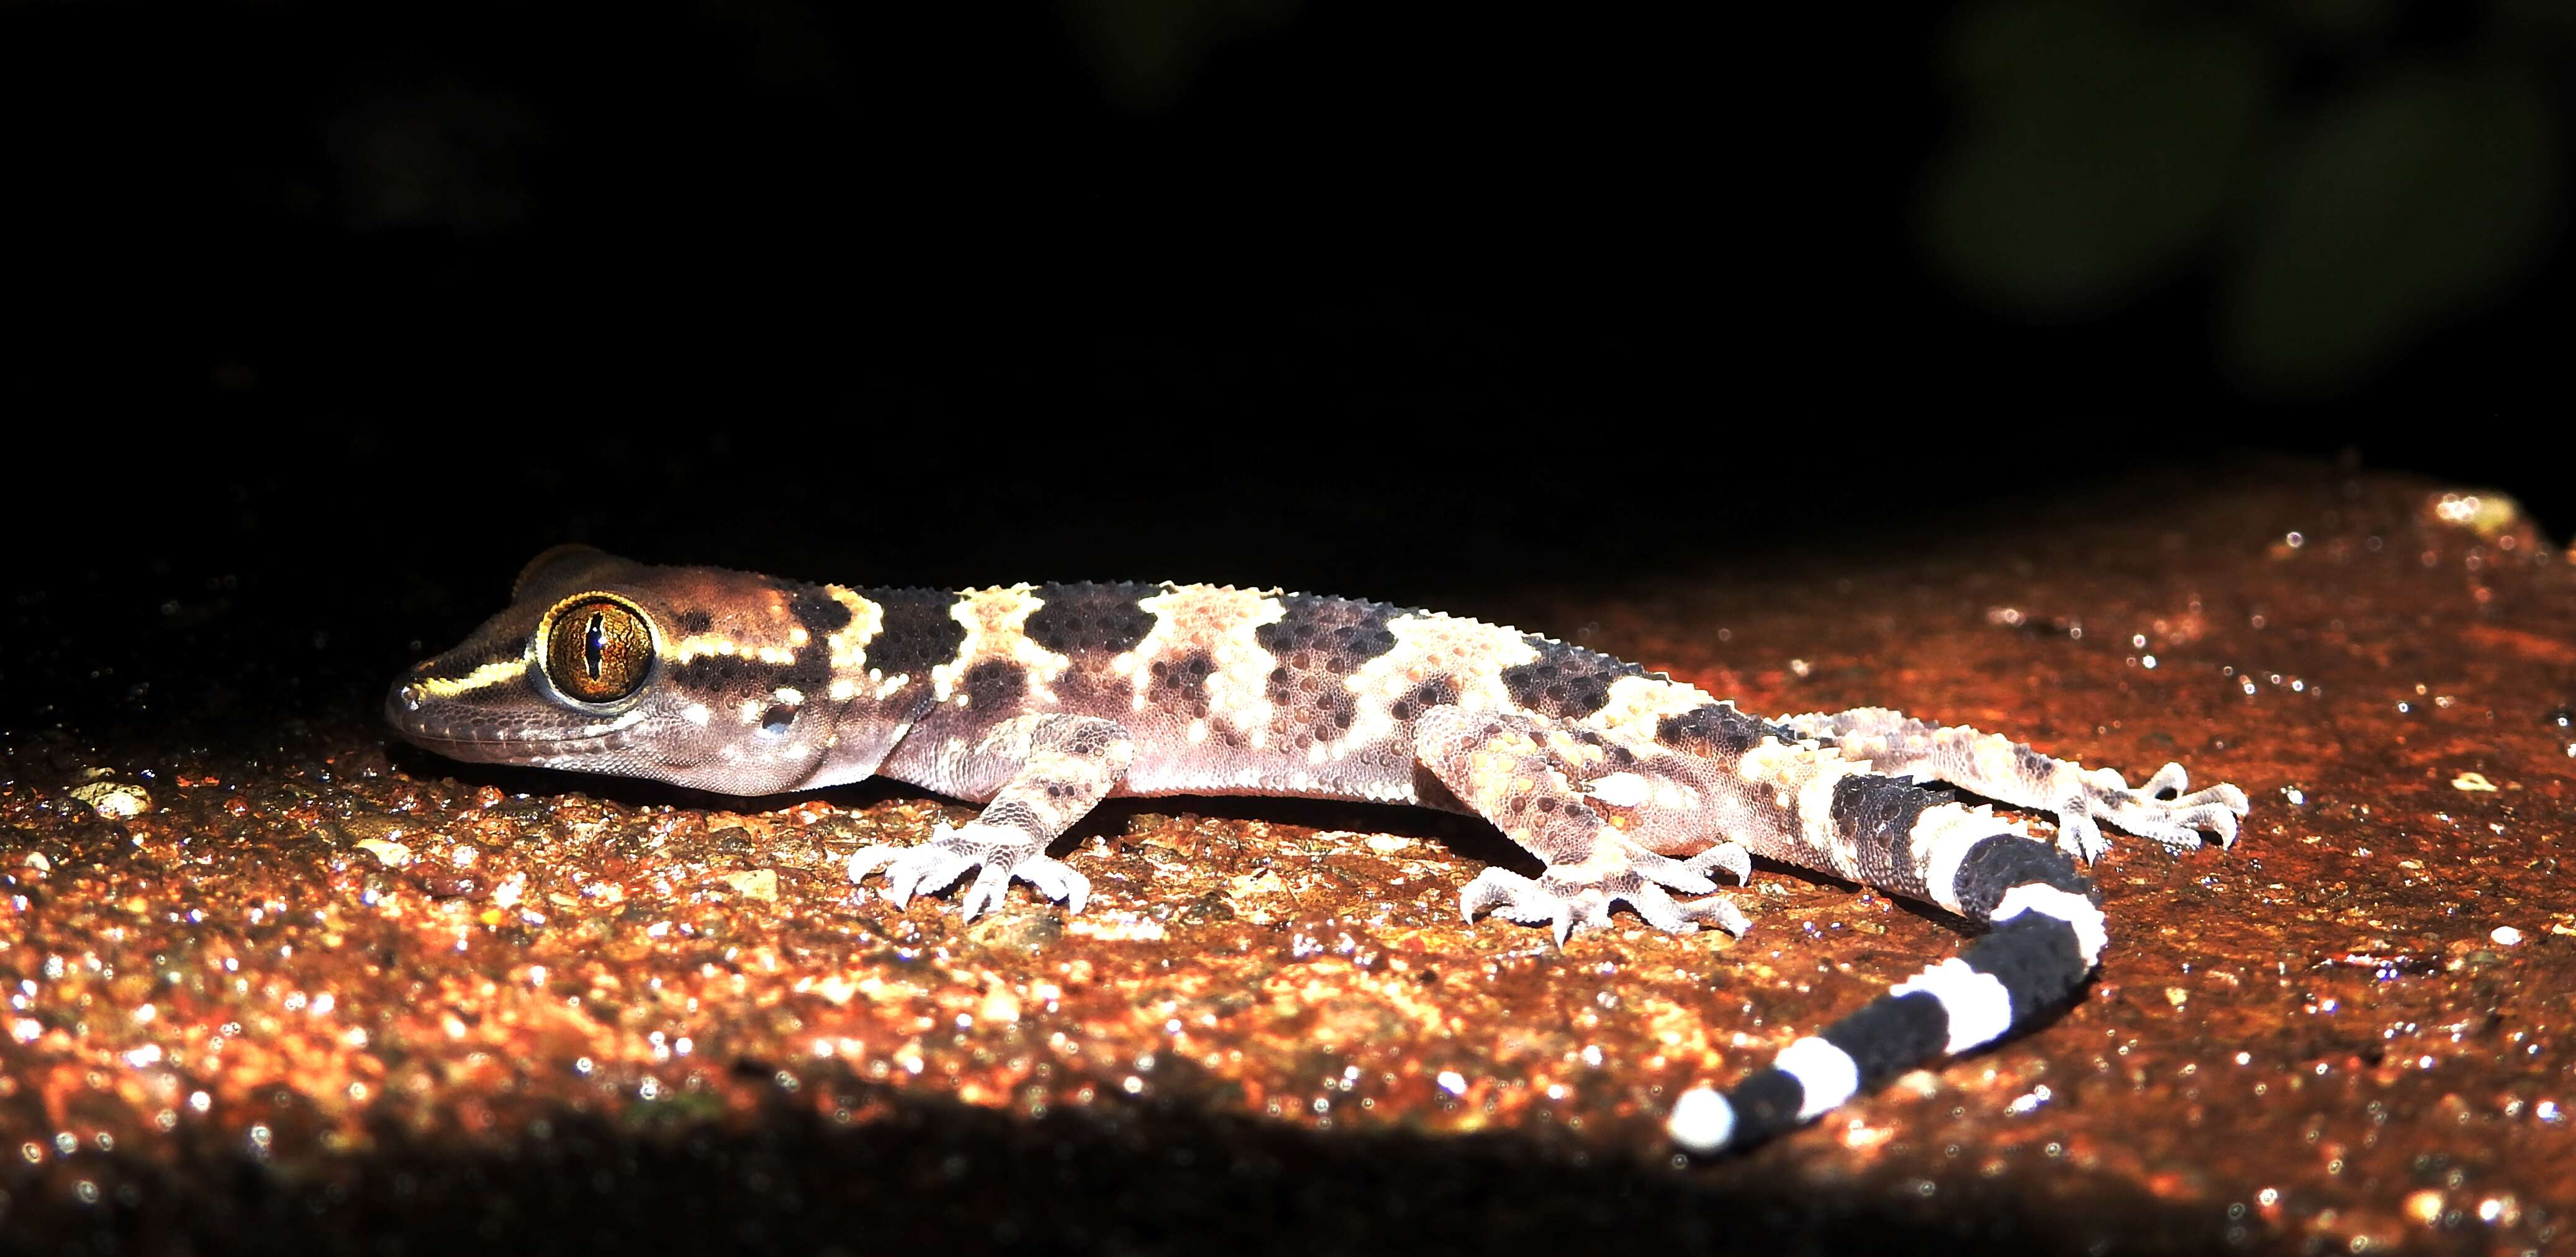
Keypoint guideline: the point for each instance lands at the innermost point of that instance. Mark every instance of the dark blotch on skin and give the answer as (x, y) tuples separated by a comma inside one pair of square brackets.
[(819, 612), (1091, 741), (917, 634), (728, 674), (1717, 730), (1766, 1104), (1340, 633), (1181, 683), (1089, 618), (995, 686), (2035, 956), (1340, 710), (1567, 682), (1878, 814), (1892, 1035), (696, 620), (1435, 692), (1318, 641), (1997, 864)]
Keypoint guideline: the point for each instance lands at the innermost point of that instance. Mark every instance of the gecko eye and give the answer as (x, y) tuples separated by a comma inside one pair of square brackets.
[(596, 649)]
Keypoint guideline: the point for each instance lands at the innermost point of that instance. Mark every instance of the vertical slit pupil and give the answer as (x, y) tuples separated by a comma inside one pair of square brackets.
[(594, 643)]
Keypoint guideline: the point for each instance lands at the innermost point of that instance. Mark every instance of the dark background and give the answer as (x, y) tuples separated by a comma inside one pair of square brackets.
[(335, 313)]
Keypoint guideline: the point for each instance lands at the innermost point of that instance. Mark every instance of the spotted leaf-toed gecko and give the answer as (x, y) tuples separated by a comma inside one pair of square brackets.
[(1038, 701)]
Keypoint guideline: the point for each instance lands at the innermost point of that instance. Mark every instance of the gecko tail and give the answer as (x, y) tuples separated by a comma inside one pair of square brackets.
[(2047, 935)]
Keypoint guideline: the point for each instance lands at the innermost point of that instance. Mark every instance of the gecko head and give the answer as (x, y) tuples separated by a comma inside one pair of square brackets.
[(695, 676)]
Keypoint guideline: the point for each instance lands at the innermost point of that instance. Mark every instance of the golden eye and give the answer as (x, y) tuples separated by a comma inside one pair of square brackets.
[(597, 649)]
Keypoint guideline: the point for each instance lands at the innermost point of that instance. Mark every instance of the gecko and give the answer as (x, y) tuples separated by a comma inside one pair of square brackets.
[(1038, 701)]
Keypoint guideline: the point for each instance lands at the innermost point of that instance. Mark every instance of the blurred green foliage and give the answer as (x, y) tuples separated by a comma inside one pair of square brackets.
[(1143, 53), (2343, 188)]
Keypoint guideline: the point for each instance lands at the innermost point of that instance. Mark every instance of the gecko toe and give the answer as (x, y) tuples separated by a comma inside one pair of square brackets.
[(911, 871), (1678, 874), (923, 870), (2176, 823), (1720, 911), (1498, 891), (1664, 913), (2077, 834), (2214, 818), (1730, 857), (1660, 911), (1569, 905), (868, 860), (1054, 879), (984, 892)]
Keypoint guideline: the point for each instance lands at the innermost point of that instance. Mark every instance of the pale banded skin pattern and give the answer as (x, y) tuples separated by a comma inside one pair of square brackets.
[(1038, 701), (2048, 935)]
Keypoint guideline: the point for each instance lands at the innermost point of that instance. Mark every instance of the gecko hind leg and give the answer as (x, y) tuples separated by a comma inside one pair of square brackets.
[(2000, 768), (1537, 782)]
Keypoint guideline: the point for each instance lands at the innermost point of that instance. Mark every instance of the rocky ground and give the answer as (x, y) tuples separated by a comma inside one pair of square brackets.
[(278, 982)]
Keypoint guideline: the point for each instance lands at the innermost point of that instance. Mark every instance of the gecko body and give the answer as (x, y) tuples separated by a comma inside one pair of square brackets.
[(1038, 701)]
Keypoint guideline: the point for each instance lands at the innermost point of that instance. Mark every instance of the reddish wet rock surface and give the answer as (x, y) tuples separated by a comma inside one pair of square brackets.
[(295, 985)]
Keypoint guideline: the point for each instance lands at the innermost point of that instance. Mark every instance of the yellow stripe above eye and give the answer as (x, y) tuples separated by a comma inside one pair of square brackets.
[(489, 674)]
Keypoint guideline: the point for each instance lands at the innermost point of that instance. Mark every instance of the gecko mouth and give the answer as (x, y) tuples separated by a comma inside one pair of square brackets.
[(499, 744)]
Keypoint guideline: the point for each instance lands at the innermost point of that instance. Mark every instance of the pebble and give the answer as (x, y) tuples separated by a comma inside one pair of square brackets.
[(112, 799), (391, 854)]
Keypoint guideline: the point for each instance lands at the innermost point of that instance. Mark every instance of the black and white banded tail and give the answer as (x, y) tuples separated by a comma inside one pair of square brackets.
[(2046, 936)]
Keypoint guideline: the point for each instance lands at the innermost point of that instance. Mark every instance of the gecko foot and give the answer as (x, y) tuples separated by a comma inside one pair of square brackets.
[(2176, 823), (1000, 855), (1569, 902)]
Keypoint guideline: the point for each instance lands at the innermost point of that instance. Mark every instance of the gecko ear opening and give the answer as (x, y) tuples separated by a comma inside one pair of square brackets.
[(571, 563)]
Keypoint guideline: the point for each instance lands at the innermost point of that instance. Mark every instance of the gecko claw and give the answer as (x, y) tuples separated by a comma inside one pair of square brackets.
[(1568, 907), (911, 871)]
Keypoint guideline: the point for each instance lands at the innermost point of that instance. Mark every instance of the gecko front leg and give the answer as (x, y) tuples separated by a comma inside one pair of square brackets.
[(1053, 769), (2002, 769)]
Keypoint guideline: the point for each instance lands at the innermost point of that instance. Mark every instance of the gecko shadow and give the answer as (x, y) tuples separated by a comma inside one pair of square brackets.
[(1463, 835), (1467, 836), (1131, 1176)]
